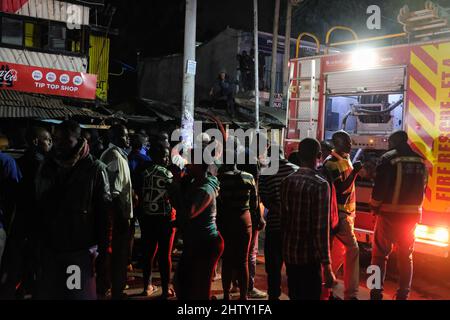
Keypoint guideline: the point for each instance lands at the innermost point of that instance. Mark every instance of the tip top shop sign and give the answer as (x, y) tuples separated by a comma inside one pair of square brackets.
[(47, 81)]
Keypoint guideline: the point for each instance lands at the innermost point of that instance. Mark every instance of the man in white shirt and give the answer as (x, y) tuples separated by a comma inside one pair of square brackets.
[(115, 157)]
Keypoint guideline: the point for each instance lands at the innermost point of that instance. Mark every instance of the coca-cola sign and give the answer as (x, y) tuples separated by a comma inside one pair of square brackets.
[(47, 81), (7, 76)]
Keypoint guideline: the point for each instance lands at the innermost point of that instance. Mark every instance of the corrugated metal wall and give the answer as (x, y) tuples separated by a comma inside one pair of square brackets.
[(48, 9), (46, 60), (99, 63)]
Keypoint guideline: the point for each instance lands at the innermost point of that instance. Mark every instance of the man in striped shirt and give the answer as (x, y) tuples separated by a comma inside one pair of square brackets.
[(270, 193), (305, 226)]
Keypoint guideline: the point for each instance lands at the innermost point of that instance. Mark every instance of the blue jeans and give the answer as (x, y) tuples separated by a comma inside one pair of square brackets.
[(253, 253), (390, 230)]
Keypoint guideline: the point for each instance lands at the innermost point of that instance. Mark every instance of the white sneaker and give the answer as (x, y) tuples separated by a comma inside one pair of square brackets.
[(257, 294)]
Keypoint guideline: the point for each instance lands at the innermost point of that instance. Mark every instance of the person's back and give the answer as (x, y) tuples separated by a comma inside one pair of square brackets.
[(155, 193), (156, 211), (270, 192), (396, 201), (302, 205), (237, 192), (253, 167), (400, 182), (203, 244), (237, 197), (305, 226), (204, 225)]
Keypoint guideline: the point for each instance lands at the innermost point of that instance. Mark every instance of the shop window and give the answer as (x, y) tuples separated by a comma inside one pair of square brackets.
[(35, 35), (75, 40), (40, 34), (57, 37), (12, 31)]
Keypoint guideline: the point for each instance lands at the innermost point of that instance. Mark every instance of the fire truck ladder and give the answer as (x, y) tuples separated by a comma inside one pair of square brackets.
[(304, 96)]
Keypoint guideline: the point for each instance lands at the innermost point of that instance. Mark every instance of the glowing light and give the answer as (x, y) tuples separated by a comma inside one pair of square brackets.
[(421, 231), (441, 234), (438, 234), (363, 59)]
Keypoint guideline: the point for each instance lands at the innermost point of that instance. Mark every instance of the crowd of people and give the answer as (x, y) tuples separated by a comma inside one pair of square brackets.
[(68, 217)]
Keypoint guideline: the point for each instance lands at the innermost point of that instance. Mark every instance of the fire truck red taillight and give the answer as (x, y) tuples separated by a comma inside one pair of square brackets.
[(428, 233)]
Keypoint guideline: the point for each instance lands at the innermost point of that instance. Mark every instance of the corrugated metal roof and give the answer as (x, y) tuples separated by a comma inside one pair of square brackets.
[(49, 9), (242, 119), (45, 60), (15, 104)]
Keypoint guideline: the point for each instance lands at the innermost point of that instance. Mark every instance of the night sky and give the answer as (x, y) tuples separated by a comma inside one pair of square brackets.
[(155, 28)]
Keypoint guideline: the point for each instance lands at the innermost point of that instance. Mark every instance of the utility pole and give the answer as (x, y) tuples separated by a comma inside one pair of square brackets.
[(255, 31), (273, 70), (287, 53), (189, 69)]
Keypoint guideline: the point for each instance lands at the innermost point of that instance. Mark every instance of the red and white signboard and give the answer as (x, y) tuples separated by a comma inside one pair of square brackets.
[(24, 78)]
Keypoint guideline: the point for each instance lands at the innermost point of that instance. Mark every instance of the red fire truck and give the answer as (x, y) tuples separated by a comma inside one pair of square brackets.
[(370, 93)]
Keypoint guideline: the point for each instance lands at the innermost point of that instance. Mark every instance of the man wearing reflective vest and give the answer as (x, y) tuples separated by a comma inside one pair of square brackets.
[(397, 199), (343, 174)]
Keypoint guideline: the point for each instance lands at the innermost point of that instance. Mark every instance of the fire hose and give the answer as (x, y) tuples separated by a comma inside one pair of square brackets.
[(360, 111)]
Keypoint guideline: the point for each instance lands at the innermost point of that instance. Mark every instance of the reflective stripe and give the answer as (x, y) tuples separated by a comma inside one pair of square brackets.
[(398, 184), (348, 207), (391, 208), (336, 155), (343, 162), (407, 159)]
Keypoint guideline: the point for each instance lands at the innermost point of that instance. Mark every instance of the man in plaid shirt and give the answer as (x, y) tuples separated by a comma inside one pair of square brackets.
[(305, 226)]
